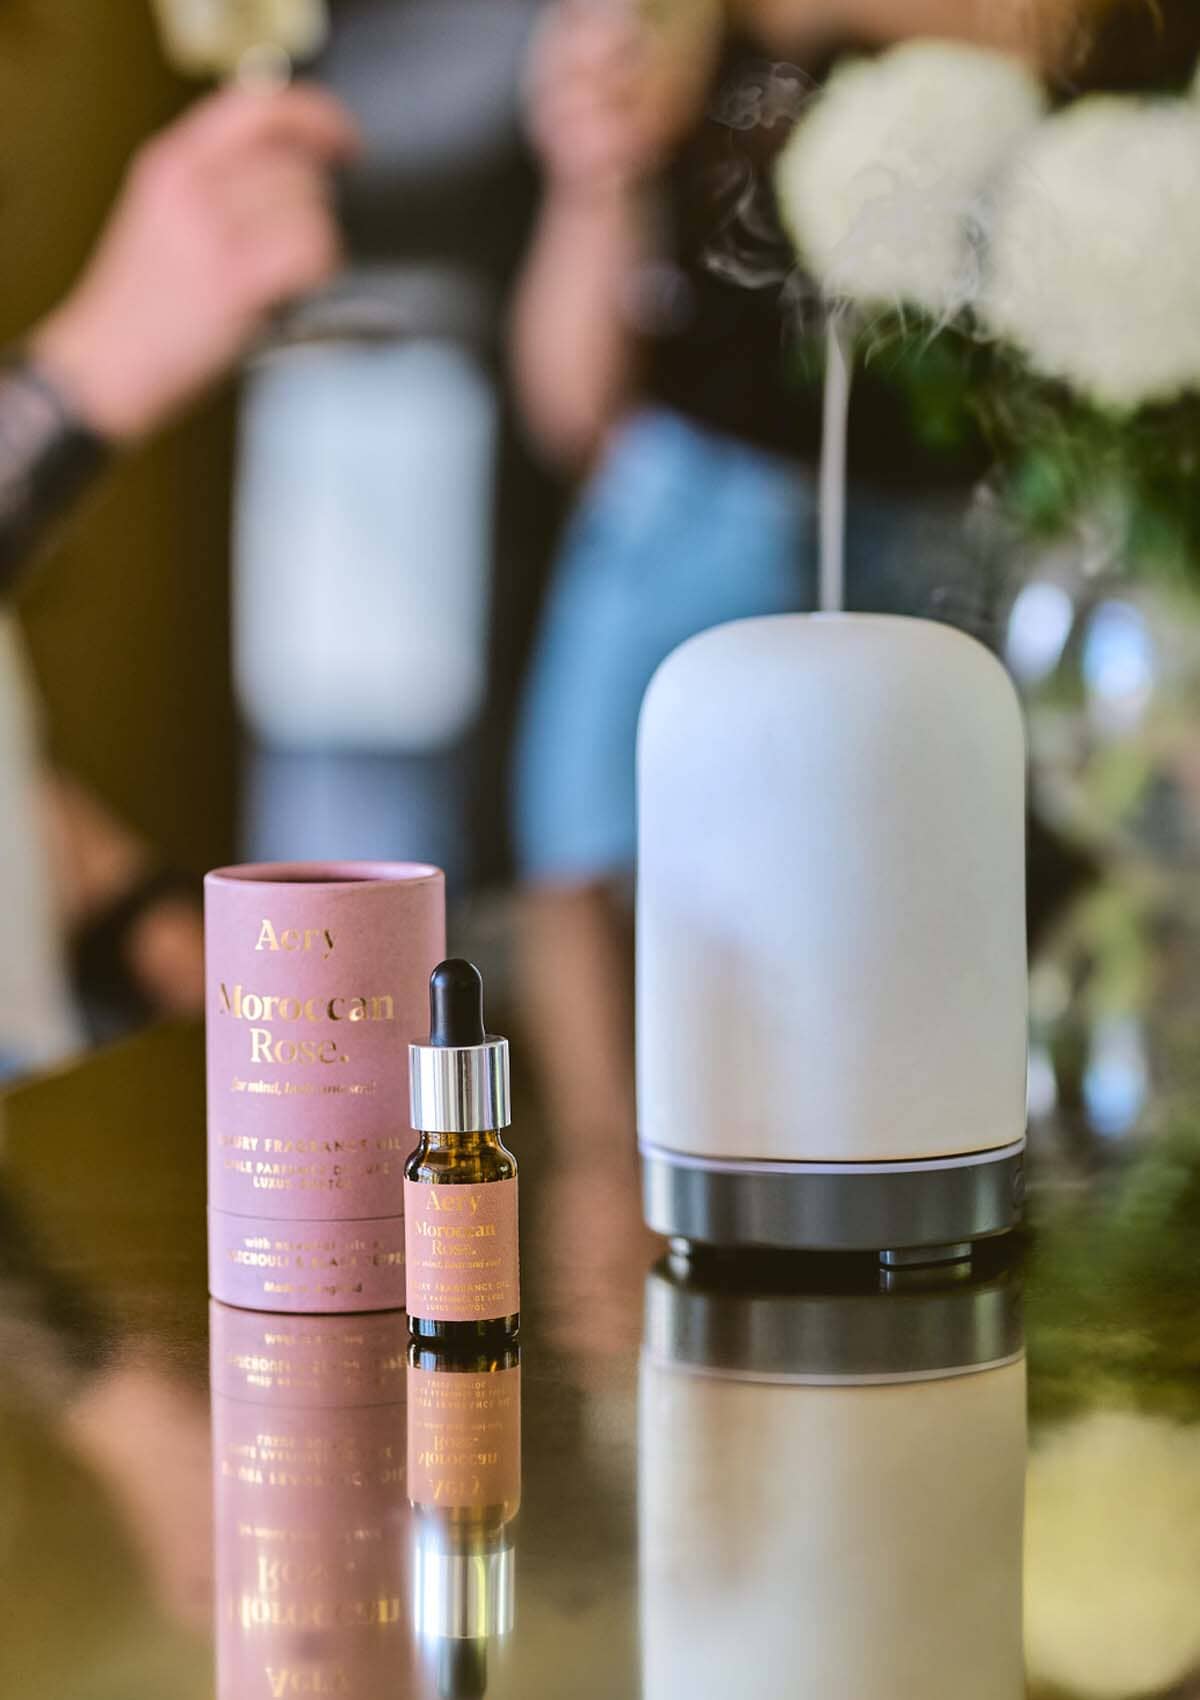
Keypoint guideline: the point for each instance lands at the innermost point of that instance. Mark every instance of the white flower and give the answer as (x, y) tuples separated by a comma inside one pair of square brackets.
[(1095, 264), (881, 186)]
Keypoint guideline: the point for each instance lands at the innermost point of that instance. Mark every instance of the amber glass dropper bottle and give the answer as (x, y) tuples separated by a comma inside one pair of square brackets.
[(460, 1185)]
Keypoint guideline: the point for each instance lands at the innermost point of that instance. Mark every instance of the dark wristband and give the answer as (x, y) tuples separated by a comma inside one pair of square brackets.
[(47, 458)]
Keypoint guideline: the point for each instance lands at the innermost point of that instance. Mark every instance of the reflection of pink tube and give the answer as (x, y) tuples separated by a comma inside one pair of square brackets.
[(311, 1507), (317, 981)]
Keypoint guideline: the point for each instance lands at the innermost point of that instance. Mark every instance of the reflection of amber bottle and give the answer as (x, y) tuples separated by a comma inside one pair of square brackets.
[(464, 1482), (308, 1431), (460, 1190)]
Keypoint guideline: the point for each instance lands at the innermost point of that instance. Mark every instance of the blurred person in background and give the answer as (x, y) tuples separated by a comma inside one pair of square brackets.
[(655, 348), (224, 217)]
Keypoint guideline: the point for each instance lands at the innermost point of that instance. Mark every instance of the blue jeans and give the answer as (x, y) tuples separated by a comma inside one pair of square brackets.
[(682, 530)]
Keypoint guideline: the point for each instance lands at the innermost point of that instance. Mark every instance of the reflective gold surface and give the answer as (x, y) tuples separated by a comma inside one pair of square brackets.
[(781, 1483)]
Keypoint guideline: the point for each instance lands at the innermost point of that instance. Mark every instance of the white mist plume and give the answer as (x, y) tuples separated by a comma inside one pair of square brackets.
[(882, 187)]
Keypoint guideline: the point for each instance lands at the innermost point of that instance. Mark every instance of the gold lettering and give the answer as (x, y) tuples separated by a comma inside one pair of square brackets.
[(286, 1681), (453, 1205), (292, 939), (265, 1048), (271, 1006)]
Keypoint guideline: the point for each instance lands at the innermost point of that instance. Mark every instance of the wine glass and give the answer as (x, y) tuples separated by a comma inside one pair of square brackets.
[(241, 40)]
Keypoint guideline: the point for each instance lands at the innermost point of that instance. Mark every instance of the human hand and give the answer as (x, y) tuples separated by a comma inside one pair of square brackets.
[(223, 217), (606, 95)]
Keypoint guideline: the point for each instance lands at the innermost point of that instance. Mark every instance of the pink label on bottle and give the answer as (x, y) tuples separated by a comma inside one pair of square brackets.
[(461, 1251)]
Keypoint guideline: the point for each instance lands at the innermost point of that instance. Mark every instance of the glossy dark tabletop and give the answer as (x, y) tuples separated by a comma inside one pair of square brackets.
[(746, 1480)]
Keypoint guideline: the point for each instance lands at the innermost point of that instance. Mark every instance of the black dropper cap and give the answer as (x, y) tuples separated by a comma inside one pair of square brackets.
[(458, 1077), (456, 1005), (462, 1670)]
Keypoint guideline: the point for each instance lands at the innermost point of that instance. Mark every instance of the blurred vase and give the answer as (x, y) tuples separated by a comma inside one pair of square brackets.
[(1109, 668), (362, 542)]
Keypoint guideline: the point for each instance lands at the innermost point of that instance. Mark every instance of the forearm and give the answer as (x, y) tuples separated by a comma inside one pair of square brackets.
[(47, 458), (574, 346)]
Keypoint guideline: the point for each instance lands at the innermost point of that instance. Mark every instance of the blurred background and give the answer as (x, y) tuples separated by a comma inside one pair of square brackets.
[(530, 398), (392, 385), (108, 625), (130, 631)]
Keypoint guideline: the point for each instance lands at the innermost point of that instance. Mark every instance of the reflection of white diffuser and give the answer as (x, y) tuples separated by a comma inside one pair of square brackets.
[(831, 1495), (831, 937)]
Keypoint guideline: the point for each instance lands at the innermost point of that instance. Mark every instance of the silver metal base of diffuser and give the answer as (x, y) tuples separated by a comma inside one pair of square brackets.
[(938, 1208)]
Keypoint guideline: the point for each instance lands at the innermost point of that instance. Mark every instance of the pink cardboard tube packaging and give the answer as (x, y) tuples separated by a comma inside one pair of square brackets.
[(317, 981)]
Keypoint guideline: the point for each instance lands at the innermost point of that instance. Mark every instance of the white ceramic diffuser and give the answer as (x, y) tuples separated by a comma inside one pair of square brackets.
[(831, 938)]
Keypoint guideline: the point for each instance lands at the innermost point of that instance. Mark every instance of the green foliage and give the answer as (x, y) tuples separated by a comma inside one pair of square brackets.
[(1063, 459), (1059, 460), (937, 377)]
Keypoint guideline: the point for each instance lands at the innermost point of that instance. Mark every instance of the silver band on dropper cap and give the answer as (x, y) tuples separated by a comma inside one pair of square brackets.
[(462, 1596), (458, 1087)]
